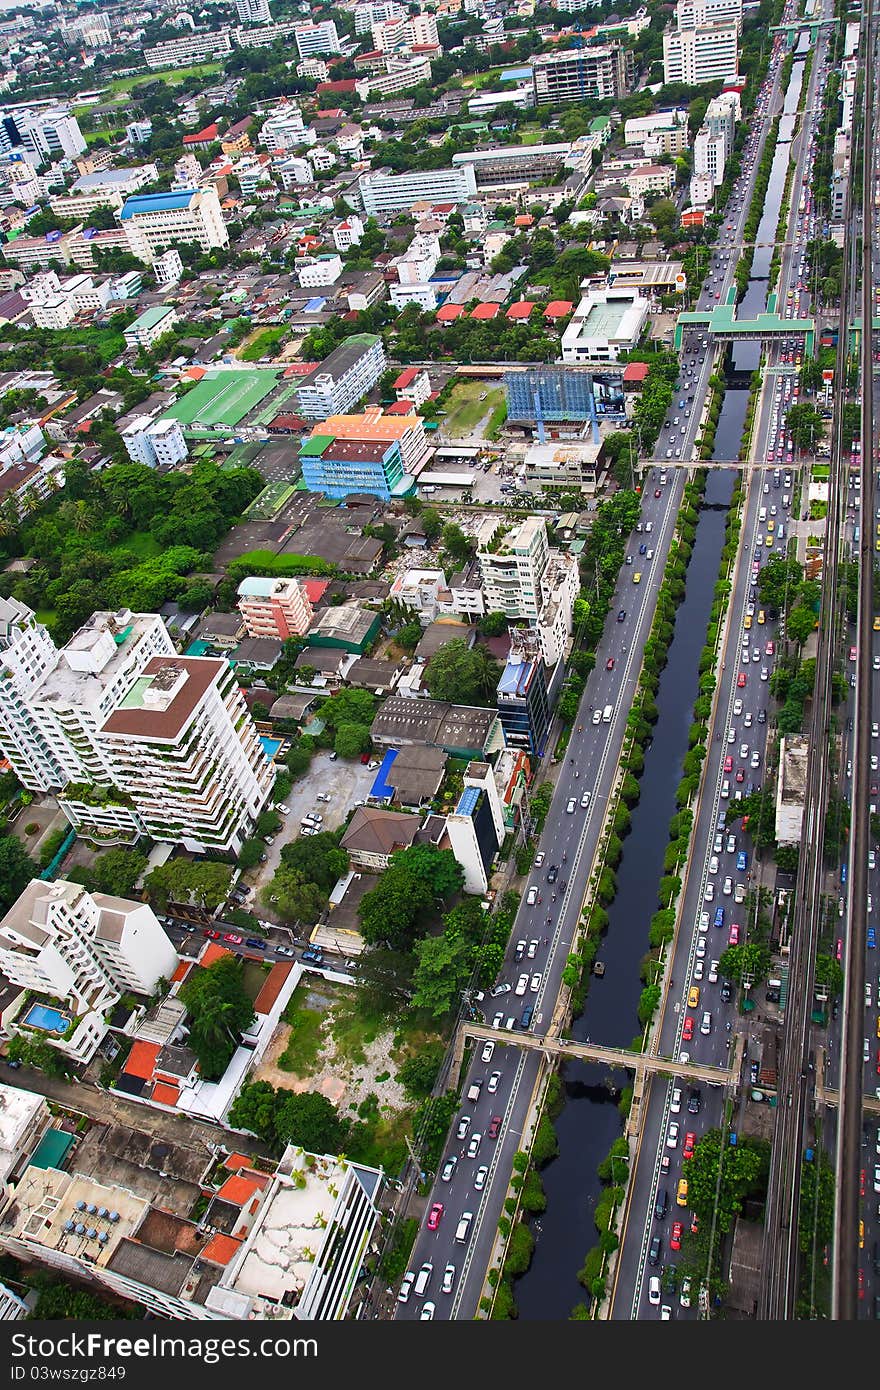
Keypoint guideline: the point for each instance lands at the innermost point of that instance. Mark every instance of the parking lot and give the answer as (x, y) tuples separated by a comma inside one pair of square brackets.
[(343, 782)]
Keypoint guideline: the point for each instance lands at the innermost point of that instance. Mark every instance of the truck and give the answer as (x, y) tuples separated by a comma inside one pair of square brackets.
[(473, 1092)]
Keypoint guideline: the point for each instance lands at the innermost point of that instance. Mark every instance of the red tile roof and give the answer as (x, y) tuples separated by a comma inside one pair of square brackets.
[(239, 1189), (164, 1094), (449, 313), (235, 1161), (208, 134), (270, 990), (181, 972), (558, 308), (400, 408), (315, 589), (213, 951), (485, 311), (142, 1059), (406, 378), (524, 219), (521, 309), (635, 371), (220, 1249)]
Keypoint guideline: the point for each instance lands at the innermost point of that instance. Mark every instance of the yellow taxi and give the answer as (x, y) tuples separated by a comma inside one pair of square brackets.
[(694, 997), (878, 1025), (748, 622), (861, 1235), (761, 618), (637, 578), (877, 623), (771, 525), (681, 1195)]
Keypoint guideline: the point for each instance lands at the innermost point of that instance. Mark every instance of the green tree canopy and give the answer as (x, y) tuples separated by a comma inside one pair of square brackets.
[(117, 871), (16, 870), (205, 883), (318, 858), (442, 971), (740, 1172), (462, 675), (219, 1011), (309, 1120), (293, 896)]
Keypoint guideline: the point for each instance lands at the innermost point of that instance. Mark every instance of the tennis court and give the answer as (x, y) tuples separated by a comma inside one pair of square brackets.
[(224, 398)]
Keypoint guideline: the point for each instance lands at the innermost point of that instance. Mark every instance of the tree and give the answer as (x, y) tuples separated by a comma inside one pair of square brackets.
[(309, 1120), (801, 622), (182, 880), (663, 215), (418, 1073), (805, 425), (390, 911), (749, 959), (34, 1052), (352, 740), (740, 1171), (219, 1011), (254, 1109), (250, 854), (349, 707), (384, 979), (16, 871), (493, 624), (456, 543), (318, 858), (437, 869), (432, 523), (442, 971), (293, 896), (461, 674), (778, 583), (830, 973), (409, 636), (117, 871)]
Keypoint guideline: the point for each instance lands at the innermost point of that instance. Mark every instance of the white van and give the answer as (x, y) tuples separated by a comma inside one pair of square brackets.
[(463, 1229), (423, 1278), (762, 514), (607, 713)]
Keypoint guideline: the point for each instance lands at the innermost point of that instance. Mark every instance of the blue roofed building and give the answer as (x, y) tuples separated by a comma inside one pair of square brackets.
[(476, 827), (154, 221), (523, 703)]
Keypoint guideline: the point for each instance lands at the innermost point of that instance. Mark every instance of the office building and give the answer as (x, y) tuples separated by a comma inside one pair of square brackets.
[(693, 14), (516, 166), (665, 132), (27, 652), (156, 443), (286, 130), (476, 827), (709, 157), (253, 11), (704, 54), (314, 39), (523, 703), (605, 323), (277, 608), (312, 272), (44, 134), (404, 70), (339, 382), (603, 73), (384, 194), (154, 221), (373, 453), (84, 950), (296, 1246), (183, 747)]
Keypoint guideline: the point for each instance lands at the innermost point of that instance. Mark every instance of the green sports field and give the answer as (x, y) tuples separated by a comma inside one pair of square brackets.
[(224, 398)]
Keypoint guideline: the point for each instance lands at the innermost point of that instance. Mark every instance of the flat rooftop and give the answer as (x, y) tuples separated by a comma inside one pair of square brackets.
[(224, 398), (161, 701), (85, 689)]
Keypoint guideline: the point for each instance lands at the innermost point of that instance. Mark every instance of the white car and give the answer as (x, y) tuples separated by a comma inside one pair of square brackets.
[(727, 886), (672, 1135), (698, 971), (709, 893), (704, 921), (585, 800), (700, 951), (731, 844), (492, 1083), (737, 706), (285, 810), (486, 1054), (536, 983), (448, 1279), (539, 859), (570, 805), (675, 1100), (713, 972), (522, 984), (480, 1177), (731, 735)]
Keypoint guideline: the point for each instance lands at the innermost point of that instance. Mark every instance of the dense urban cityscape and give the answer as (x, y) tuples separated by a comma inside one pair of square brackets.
[(439, 661)]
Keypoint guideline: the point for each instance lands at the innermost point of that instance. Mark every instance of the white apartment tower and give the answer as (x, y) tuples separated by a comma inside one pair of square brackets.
[(253, 11), (154, 221), (86, 949), (704, 54), (512, 569), (692, 14), (185, 750), (27, 652), (314, 39)]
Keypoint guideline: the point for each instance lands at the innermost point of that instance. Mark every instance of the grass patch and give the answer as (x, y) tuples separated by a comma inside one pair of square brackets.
[(262, 344), (304, 1044), (46, 616), (169, 76), (381, 1142), (465, 410), (351, 1030), (140, 543)]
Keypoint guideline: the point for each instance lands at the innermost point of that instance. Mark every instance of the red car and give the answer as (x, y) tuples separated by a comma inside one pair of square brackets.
[(690, 1140), (861, 1283), (609, 664), (657, 492), (728, 763), (494, 1126), (878, 1061), (741, 680), (733, 938), (675, 1238), (770, 648), (231, 936), (212, 934), (695, 1224), (862, 1183), (740, 774), (434, 1216), (687, 1031)]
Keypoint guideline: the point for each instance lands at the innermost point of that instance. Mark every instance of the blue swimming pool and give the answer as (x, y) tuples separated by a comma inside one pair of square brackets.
[(270, 746), (49, 1020)]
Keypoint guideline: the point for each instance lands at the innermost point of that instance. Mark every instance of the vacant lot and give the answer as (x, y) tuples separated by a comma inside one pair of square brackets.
[(465, 409), (262, 344)]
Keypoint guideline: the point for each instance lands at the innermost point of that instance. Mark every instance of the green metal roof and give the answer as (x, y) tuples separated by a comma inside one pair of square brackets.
[(314, 447)]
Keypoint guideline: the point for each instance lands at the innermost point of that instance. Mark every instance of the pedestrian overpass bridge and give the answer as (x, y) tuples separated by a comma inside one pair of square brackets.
[(641, 1063), (725, 327)]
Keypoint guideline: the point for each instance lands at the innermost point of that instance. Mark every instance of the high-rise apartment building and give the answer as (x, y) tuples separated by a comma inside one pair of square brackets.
[(85, 949), (154, 221), (278, 608), (704, 54), (27, 652), (253, 11), (157, 443), (692, 14), (523, 578), (602, 73), (314, 39), (183, 747)]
